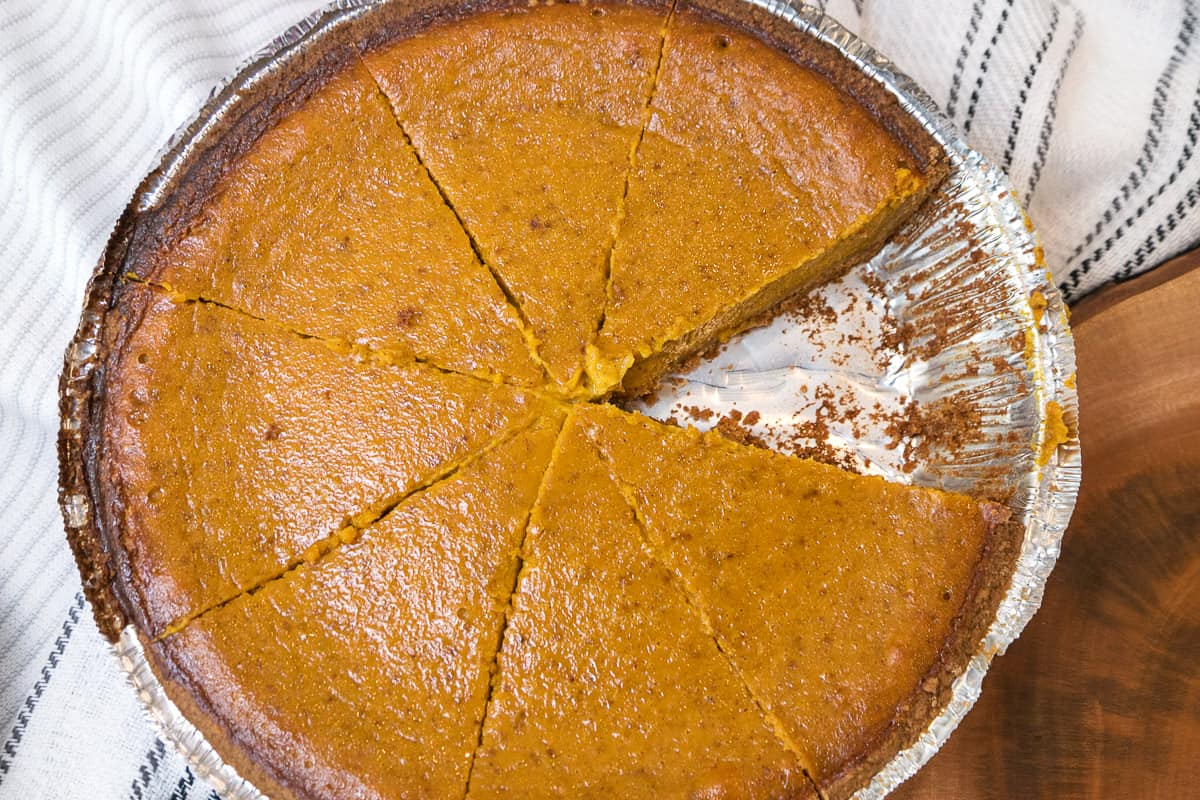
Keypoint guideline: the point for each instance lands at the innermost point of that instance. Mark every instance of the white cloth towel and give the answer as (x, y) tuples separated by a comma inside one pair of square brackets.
[(1092, 107)]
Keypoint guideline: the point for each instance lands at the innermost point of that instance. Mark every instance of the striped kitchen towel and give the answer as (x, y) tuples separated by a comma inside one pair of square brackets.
[(1092, 107)]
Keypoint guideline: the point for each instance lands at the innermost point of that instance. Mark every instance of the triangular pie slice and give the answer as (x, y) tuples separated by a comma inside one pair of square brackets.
[(608, 683), (330, 225), (229, 446), (849, 603), (365, 675), (756, 179), (526, 119)]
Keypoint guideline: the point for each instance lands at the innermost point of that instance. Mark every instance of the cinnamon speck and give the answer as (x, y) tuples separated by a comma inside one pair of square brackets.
[(408, 317), (733, 429), (947, 424)]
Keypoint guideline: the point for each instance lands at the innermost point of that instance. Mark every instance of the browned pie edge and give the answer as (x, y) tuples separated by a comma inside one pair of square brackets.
[(990, 582), (189, 698), (929, 158), (111, 311)]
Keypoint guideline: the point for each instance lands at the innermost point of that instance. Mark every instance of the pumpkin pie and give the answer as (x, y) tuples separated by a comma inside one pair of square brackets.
[(228, 446), (531, 150), (365, 674), (846, 601), (318, 460), (330, 225), (609, 683), (756, 178)]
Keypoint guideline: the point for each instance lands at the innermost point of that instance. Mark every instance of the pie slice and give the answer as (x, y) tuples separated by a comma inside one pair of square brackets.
[(756, 179), (330, 225), (608, 684), (229, 446), (365, 675), (526, 119), (847, 602)]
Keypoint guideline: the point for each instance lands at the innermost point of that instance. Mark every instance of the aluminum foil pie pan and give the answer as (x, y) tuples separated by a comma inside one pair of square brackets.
[(945, 360)]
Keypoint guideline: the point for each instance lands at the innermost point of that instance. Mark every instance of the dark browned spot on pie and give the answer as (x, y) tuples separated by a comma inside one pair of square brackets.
[(723, 41), (272, 433), (408, 317)]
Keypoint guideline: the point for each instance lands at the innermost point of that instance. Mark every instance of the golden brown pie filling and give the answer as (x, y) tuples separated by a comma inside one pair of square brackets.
[(358, 487)]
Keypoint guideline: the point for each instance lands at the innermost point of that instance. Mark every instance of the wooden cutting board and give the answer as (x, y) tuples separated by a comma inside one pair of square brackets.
[(1100, 697)]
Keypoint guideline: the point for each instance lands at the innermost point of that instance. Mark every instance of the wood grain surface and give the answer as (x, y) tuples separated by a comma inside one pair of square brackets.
[(1100, 697)]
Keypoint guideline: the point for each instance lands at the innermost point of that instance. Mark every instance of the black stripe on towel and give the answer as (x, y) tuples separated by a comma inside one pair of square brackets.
[(149, 766), (983, 66), (9, 752), (184, 786), (1191, 136), (1043, 148), (964, 51), (1138, 262), (1014, 127), (1153, 137)]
